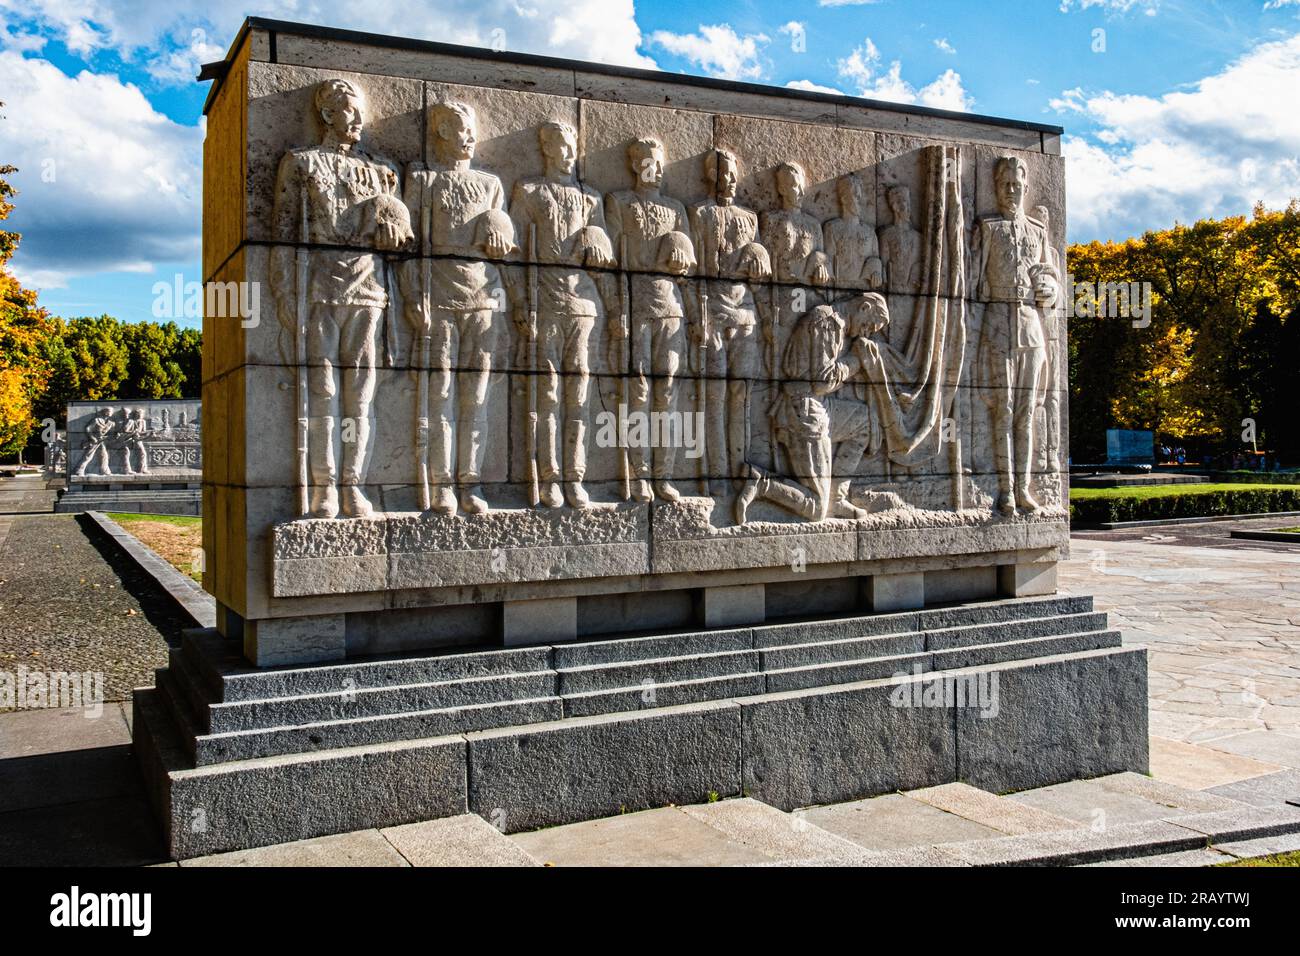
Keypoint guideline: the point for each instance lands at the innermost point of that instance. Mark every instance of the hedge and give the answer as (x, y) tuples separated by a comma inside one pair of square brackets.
[(1192, 504)]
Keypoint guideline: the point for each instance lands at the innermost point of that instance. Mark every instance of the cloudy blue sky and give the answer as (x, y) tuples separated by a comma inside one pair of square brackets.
[(1174, 110)]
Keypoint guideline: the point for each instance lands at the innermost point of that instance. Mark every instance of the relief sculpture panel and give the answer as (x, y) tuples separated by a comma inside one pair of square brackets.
[(756, 331)]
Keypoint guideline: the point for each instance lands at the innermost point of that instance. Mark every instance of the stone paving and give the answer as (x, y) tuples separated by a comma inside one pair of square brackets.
[(26, 494), (70, 602), (1223, 628)]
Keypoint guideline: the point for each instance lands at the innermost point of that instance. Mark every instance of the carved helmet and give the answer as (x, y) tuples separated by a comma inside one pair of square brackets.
[(593, 238), (497, 222), (675, 242)]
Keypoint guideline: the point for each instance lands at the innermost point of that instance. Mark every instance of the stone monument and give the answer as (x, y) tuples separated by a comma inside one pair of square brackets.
[(141, 456), (673, 473)]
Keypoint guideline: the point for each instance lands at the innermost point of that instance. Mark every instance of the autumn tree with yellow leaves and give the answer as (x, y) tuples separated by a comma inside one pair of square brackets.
[(1222, 347)]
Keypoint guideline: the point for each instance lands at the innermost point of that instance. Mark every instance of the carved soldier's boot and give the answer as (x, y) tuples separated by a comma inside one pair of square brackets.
[(353, 503), (471, 463), (667, 492), (548, 494), (576, 495), (442, 500), (472, 501), (664, 460), (1006, 503), (841, 507), (575, 463), (641, 490), (1025, 501), (755, 485), (324, 501)]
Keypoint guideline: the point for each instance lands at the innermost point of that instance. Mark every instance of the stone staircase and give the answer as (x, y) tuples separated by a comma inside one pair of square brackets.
[(559, 733), (1123, 819), (230, 711)]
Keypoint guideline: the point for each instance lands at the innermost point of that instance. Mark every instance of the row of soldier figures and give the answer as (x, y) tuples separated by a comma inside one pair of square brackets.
[(331, 305)]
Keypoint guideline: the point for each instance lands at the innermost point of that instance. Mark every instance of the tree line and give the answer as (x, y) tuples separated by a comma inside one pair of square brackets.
[(1218, 363)]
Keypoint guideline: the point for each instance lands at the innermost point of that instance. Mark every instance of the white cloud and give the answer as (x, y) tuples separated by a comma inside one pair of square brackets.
[(1215, 149), (845, 3), (862, 68), (813, 87), (126, 183), (946, 93), (1113, 7), (717, 50), (169, 38), (943, 46)]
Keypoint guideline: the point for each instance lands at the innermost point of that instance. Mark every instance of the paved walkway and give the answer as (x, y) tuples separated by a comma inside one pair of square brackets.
[(26, 494), (1223, 627)]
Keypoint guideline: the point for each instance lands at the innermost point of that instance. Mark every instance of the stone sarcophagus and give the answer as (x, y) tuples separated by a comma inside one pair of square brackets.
[(544, 354), (607, 439)]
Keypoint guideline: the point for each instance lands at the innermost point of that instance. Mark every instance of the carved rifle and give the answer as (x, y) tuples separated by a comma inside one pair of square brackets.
[(530, 433), (701, 383), (302, 264), (422, 423), (624, 361)]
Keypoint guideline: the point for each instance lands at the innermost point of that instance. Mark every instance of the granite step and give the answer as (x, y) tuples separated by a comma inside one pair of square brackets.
[(218, 748), (232, 679), (890, 645), (377, 702), (654, 671), (880, 668)]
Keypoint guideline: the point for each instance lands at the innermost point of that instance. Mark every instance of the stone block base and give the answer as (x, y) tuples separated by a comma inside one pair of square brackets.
[(1001, 694)]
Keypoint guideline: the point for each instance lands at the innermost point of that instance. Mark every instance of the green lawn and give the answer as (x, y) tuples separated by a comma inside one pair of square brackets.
[(1276, 859), (1165, 502), (176, 538), (1144, 492)]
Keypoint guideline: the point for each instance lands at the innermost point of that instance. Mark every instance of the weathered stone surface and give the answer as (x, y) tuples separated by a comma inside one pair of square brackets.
[(581, 768), (442, 149), (1076, 715), (810, 747), (466, 840)]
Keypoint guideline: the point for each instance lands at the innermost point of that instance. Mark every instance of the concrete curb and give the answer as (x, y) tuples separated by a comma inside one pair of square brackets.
[(1121, 525), (187, 595), (1289, 536)]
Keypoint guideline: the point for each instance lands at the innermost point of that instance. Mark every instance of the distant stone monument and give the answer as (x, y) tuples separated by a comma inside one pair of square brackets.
[(634, 486), (1127, 446), (141, 456)]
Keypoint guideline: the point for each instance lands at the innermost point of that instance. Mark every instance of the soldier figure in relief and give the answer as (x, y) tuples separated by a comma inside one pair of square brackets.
[(336, 193), (1013, 275), (454, 305), (824, 435), (561, 226), (641, 220), (135, 426), (1055, 379), (725, 237), (900, 244), (792, 236), (97, 432), (851, 241)]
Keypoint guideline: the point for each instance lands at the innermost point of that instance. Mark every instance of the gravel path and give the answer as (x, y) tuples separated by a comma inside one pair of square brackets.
[(70, 602)]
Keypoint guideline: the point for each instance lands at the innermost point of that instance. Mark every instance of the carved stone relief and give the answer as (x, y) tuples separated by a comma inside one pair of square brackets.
[(844, 345), (132, 443)]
